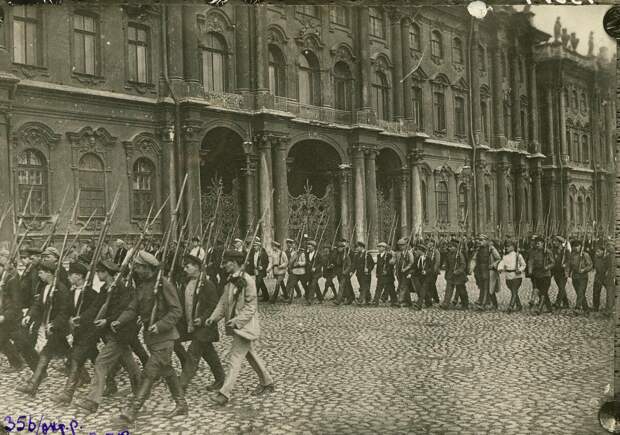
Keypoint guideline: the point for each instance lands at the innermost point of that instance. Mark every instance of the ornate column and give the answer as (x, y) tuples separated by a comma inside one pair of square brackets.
[(562, 115), (343, 178), (175, 42), (498, 99), (537, 197), (265, 197), (533, 106), (191, 68), (242, 38), (565, 179), (397, 57), (474, 81), (359, 195), (364, 55), (169, 156), (521, 177), (191, 148), (249, 173), (371, 198), (502, 171), (280, 184), (406, 67), (515, 94), (552, 197), (415, 156), (551, 124), (481, 206), (260, 38), (404, 203)]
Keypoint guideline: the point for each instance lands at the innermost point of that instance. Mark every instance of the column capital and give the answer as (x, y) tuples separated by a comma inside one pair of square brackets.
[(166, 133), (371, 152), (415, 156), (395, 14), (191, 130)]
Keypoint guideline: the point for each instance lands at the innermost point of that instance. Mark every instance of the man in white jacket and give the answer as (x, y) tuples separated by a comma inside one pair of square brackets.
[(512, 265)]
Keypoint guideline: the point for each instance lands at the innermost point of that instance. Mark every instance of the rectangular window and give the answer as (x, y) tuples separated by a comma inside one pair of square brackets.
[(459, 116), (312, 11), (213, 71), (439, 110), (417, 107), (138, 51), (26, 35), (376, 23), (85, 52), (339, 15)]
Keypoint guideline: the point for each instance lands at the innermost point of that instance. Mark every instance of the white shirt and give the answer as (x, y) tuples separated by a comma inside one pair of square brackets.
[(198, 252), (77, 291), (46, 292), (256, 254), (511, 265)]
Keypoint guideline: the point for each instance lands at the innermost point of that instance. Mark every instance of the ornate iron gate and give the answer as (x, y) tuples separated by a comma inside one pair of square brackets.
[(314, 214), (228, 214), (387, 214)]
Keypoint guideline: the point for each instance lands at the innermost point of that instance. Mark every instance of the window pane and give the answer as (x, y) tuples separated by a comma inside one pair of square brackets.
[(89, 24), (218, 72), (132, 62), (142, 67), (31, 44), (19, 43), (78, 52), (78, 22), (131, 33), (305, 87), (89, 48)]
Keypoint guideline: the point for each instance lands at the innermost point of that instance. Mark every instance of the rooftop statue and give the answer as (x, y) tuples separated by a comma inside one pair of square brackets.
[(557, 29)]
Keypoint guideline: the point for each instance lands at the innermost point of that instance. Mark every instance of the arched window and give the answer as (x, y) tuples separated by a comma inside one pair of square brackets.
[(214, 64), (309, 79), (277, 72), (92, 186), (484, 115), (32, 174), (584, 102), (488, 203), (585, 149), (415, 41), (462, 204), (580, 210), (380, 97), (424, 195), (457, 51), (436, 45), (377, 25), (574, 103), (482, 57), (343, 82), (442, 202), (143, 187)]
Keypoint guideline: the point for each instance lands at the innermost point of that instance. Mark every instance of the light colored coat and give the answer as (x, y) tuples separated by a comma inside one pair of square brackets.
[(245, 314)]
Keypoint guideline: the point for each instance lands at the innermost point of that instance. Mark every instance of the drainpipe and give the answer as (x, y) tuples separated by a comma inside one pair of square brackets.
[(472, 134), (176, 144)]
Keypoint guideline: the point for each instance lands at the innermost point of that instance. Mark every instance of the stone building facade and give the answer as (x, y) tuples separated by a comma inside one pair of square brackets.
[(339, 121)]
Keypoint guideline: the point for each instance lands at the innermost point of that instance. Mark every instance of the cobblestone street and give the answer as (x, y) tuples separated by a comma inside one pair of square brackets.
[(384, 370)]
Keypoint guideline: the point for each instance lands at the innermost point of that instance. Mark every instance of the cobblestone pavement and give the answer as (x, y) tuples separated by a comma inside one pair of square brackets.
[(384, 370)]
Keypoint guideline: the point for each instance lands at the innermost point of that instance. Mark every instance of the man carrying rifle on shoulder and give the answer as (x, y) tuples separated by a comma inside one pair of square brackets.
[(258, 267), (49, 316), (113, 298), (85, 304), (455, 265), (279, 265), (314, 271), (385, 275), (297, 264), (157, 303), (363, 264), (404, 263), (198, 300), (343, 269), (580, 266), (561, 255)]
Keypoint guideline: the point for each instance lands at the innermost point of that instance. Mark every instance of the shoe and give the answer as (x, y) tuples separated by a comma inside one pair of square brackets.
[(263, 389), (215, 386), (110, 390), (218, 399), (178, 395), (63, 399), (16, 369), (27, 388), (88, 405)]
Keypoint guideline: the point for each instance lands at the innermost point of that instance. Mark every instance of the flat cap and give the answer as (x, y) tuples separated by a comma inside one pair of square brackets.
[(257, 240), (48, 266), (120, 241), (360, 244), (560, 239), (312, 243), (342, 244), (290, 241), (483, 237), (276, 244), (192, 259), (575, 243), (108, 266), (382, 245), (237, 240), (232, 255), (78, 267), (146, 259), (50, 250), (31, 251)]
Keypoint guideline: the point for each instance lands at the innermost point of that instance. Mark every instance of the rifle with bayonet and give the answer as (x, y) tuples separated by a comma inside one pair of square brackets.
[(56, 218)]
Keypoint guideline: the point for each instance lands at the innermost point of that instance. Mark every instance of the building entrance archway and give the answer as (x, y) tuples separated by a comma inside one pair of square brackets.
[(389, 193)]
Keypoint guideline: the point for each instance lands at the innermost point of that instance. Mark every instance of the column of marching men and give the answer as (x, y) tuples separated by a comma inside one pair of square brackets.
[(97, 314)]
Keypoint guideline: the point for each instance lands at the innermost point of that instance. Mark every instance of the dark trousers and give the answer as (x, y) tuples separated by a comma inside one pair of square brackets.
[(461, 294), (279, 285), (9, 350), (364, 282), (292, 285), (313, 288), (560, 280), (596, 294), (514, 285), (580, 282), (420, 287), (483, 285), (329, 284), (432, 288), (196, 350), (404, 289), (180, 352), (345, 289), (385, 285), (262, 288), (160, 361), (18, 341), (542, 284)]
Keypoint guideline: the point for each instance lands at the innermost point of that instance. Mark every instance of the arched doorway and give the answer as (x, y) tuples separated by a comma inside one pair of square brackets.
[(312, 190), (388, 195), (222, 163)]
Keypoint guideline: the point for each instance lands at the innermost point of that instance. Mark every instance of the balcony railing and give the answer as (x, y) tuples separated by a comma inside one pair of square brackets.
[(225, 99), (392, 126), (312, 113)]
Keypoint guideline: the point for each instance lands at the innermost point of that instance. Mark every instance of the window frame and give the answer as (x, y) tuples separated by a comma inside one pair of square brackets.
[(463, 203), (346, 82), (437, 45), (205, 49), (417, 37), (384, 87), (83, 171), (40, 43), (460, 128), (137, 193), (443, 202), (43, 171), (374, 20), (335, 18), (314, 80), (147, 60), (457, 51), (96, 35), (439, 118), (303, 10), (417, 97), (279, 70)]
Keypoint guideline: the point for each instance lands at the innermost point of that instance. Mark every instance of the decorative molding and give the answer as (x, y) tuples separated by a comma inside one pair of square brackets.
[(88, 140), (342, 53), (276, 35), (214, 20)]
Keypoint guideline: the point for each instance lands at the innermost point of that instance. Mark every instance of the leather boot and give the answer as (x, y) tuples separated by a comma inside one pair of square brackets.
[(218, 372), (178, 395), (144, 391), (32, 385), (71, 385)]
